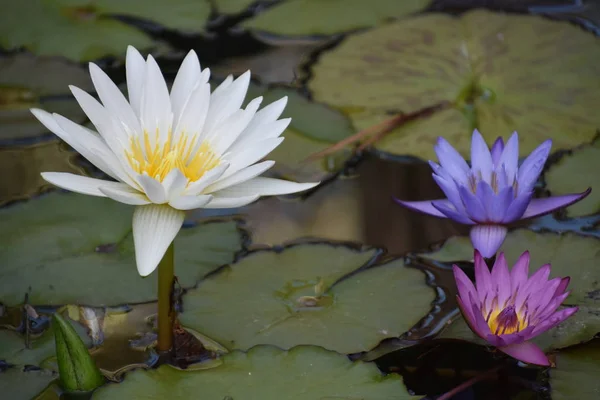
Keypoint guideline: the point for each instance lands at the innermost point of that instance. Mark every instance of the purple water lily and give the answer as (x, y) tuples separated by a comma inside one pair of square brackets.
[(493, 192), (509, 308)]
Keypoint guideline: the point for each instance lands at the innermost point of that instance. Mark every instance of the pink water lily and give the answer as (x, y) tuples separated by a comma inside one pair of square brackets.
[(508, 308), (493, 192)]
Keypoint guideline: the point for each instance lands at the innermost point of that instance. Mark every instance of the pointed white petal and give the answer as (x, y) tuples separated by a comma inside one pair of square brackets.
[(194, 113), (114, 101), (125, 194), (78, 183), (185, 82), (135, 67), (153, 189), (190, 202), (251, 154), (156, 105), (230, 202), (209, 177), (227, 132), (174, 184), (240, 176), (154, 228), (225, 102), (258, 133), (264, 187)]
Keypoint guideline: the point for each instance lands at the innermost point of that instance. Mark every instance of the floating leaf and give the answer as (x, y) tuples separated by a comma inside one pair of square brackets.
[(570, 255), (290, 297), (264, 373), (233, 6), (317, 17), (27, 81), (497, 72), (26, 163), (576, 375), (576, 172), (83, 252), (80, 30), (18, 384)]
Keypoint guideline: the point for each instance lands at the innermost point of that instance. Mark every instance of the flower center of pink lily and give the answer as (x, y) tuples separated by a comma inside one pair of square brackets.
[(506, 321)]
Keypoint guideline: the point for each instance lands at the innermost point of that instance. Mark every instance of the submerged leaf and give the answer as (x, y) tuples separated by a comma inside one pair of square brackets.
[(576, 375)]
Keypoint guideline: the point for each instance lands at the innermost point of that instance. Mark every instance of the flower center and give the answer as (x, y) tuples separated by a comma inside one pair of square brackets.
[(505, 321), (193, 159)]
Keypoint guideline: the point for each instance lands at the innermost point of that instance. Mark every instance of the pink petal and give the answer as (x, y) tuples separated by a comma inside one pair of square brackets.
[(422, 206), (483, 281), (554, 320), (519, 272), (547, 205), (501, 280), (526, 352), (465, 287), (488, 238), (481, 327), (564, 283)]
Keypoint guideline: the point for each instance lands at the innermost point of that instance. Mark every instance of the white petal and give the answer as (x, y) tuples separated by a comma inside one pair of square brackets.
[(189, 202), (265, 117), (78, 183), (125, 194), (114, 101), (230, 202), (251, 154), (227, 132), (135, 67), (174, 183), (154, 229), (225, 102), (194, 113), (209, 177), (153, 189), (156, 112), (185, 82), (265, 187), (258, 133), (240, 176)]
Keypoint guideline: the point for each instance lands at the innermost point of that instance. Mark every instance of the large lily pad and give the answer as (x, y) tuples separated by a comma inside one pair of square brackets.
[(496, 72), (574, 173), (570, 255), (290, 297), (25, 164), (19, 384), (264, 373), (75, 249), (232, 6), (576, 375), (317, 17), (27, 81), (80, 30)]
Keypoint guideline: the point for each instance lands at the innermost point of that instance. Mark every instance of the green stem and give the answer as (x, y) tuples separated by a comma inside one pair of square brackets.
[(166, 276)]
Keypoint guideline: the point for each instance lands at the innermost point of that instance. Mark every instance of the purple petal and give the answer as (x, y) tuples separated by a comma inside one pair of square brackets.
[(539, 300), (483, 281), (495, 205), (488, 238), (444, 207), (511, 338), (517, 207), (554, 320), (450, 190), (510, 157), (526, 352), (497, 149), (452, 161), (467, 313), (547, 205), (481, 327), (473, 205), (544, 314), (519, 272), (422, 206), (564, 283), (465, 287), (533, 285), (481, 159), (531, 168), (501, 280)]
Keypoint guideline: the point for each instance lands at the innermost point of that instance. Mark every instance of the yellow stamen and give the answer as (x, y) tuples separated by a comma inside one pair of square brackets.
[(505, 321), (157, 161)]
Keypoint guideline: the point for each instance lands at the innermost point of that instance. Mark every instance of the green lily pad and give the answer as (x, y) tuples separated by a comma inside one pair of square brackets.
[(76, 249), (574, 173), (82, 31), (469, 63), (317, 17), (570, 255), (17, 384), (27, 81), (26, 163), (295, 296), (13, 349), (314, 127), (264, 373), (576, 375), (233, 6)]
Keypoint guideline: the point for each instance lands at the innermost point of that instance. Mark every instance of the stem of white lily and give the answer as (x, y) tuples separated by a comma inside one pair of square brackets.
[(166, 276)]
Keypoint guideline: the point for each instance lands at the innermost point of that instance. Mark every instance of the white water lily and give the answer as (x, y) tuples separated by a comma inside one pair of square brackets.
[(170, 152)]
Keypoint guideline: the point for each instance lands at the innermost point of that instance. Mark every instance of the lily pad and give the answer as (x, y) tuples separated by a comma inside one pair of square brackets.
[(317, 17), (575, 172), (27, 81), (19, 384), (75, 249), (295, 296), (82, 31), (233, 6), (467, 63), (576, 375), (26, 163), (264, 373), (570, 255)]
